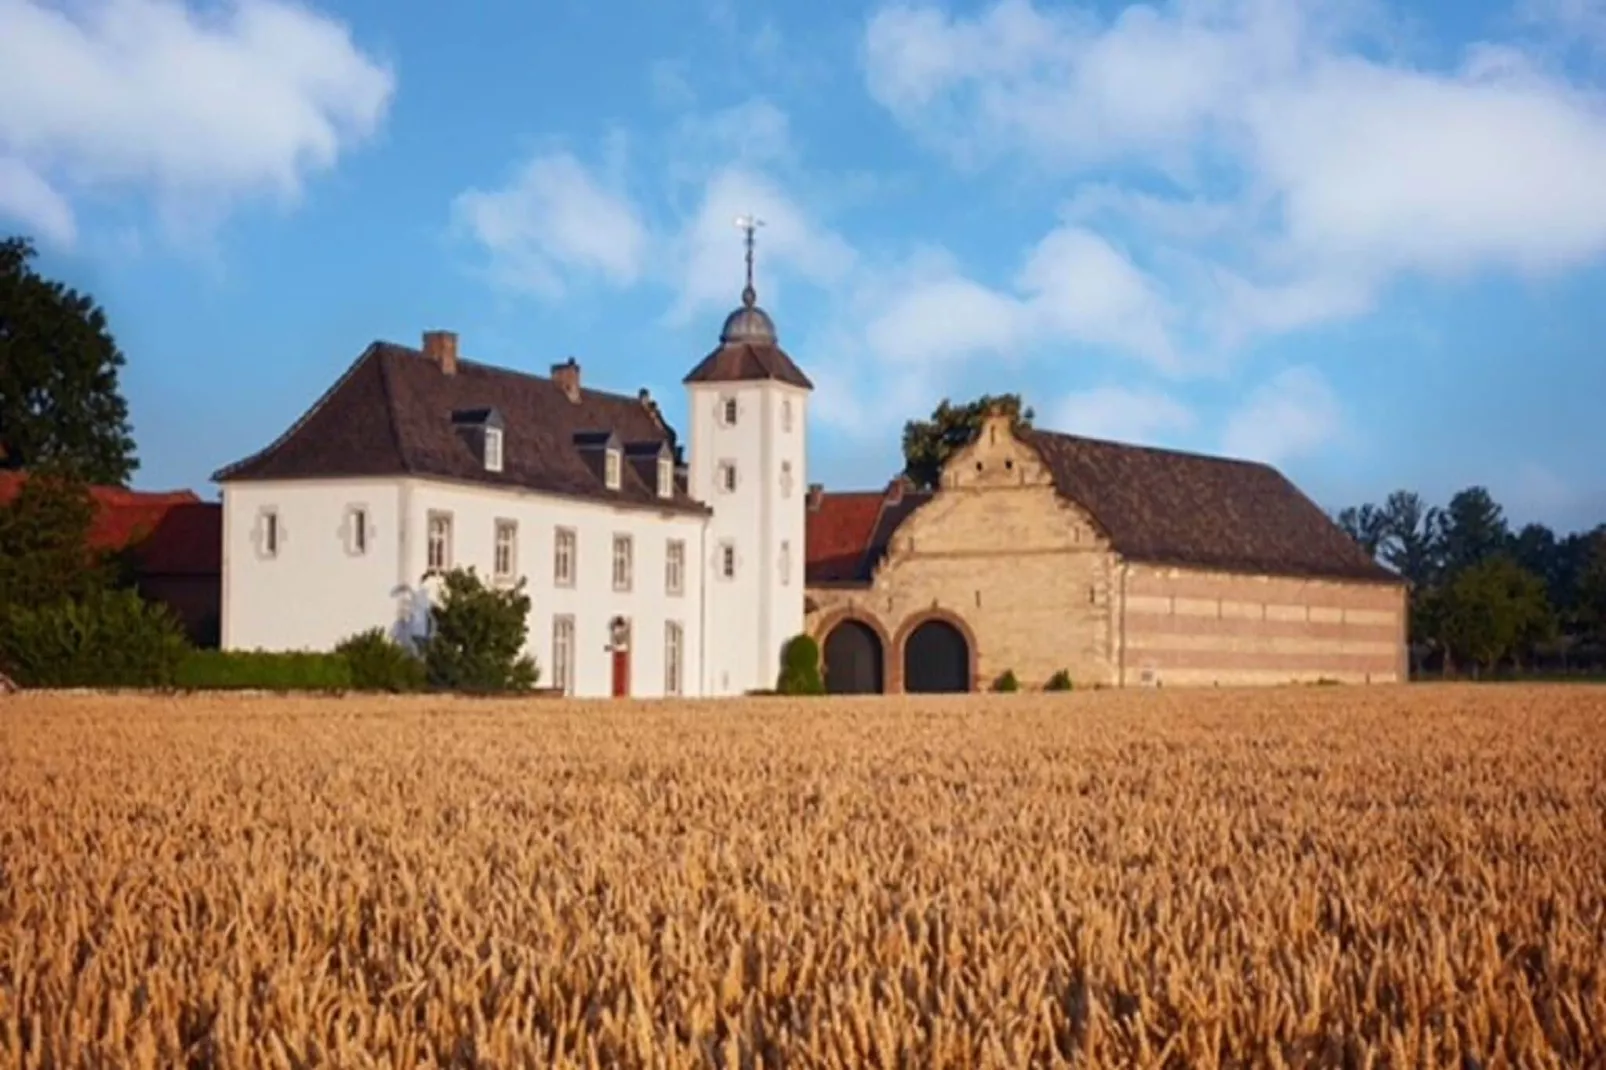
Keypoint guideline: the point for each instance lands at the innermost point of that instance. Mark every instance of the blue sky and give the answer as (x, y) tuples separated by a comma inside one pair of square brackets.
[(1360, 240)]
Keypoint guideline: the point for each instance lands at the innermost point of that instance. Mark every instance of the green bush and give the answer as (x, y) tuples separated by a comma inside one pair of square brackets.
[(1060, 681), (800, 667), (1006, 682), (263, 670), (476, 637), (107, 638), (379, 663)]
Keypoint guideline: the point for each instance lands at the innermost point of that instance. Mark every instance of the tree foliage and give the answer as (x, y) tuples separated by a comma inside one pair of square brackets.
[(927, 444), (44, 543), (1490, 610), (800, 667), (60, 401), (476, 637), (105, 638)]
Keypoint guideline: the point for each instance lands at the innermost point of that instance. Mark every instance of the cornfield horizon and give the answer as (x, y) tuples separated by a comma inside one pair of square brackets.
[(1325, 877)]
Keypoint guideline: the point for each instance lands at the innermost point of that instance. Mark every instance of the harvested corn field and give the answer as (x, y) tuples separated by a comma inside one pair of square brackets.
[(1311, 877)]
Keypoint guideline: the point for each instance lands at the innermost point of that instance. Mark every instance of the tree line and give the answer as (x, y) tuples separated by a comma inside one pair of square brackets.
[(1485, 597)]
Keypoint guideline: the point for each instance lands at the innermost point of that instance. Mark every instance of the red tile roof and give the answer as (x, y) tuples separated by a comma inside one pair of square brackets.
[(838, 532), (172, 531)]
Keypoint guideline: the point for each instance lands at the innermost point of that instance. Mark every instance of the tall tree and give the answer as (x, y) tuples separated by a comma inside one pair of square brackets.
[(1367, 525), (59, 396), (1591, 587), (927, 444), (1472, 529), (1409, 536), (44, 543)]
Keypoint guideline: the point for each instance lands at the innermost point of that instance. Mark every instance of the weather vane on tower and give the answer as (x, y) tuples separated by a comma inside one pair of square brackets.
[(749, 224)]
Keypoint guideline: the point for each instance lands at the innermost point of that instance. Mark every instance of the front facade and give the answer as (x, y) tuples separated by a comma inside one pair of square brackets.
[(1118, 565), (652, 571)]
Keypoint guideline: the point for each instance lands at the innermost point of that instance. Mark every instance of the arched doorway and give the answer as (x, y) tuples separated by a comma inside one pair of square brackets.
[(936, 658), (853, 659)]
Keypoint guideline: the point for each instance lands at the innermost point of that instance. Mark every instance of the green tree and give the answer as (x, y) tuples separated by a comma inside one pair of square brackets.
[(1409, 537), (477, 635), (59, 394), (1591, 593), (1471, 529), (927, 444), (800, 667), (1366, 524), (44, 543), (1491, 610)]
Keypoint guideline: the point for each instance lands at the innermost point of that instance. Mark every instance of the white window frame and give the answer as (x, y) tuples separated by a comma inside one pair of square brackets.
[(563, 649), (565, 557), (666, 477), (358, 530), (729, 410), (624, 565), (444, 519), (511, 529), (727, 477), (272, 532), (493, 449), (675, 567), (727, 560), (674, 658), (613, 468)]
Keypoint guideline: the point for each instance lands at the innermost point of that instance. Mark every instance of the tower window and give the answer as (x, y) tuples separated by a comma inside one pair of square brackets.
[(727, 412), (727, 476), (786, 479), (786, 415), (727, 560)]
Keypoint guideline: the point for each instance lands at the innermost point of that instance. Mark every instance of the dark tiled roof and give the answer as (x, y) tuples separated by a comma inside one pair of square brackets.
[(390, 414), (1167, 507), (741, 361), (1156, 506)]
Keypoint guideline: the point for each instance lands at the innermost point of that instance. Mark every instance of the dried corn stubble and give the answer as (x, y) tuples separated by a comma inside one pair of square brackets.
[(1332, 877)]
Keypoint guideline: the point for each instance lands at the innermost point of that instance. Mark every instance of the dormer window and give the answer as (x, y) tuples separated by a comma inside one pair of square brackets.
[(666, 477), (493, 449), (612, 464)]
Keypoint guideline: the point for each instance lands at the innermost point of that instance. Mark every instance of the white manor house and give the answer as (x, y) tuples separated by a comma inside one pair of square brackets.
[(652, 570)]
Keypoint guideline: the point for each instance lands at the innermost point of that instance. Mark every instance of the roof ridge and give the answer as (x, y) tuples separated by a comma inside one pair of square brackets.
[(1170, 451), (323, 399), (464, 362)]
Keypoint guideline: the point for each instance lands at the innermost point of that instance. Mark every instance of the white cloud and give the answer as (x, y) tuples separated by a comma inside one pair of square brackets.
[(1293, 414), (1311, 171), (552, 220), (197, 110), (1145, 417)]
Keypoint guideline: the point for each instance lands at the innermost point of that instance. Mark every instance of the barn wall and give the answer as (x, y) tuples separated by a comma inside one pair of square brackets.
[(998, 551), (1189, 627)]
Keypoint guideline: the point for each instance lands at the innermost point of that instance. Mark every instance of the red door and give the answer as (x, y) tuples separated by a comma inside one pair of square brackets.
[(621, 672)]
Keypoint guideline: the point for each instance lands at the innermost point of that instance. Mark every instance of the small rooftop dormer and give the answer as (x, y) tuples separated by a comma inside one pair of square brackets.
[(484, 432), (603, 454)]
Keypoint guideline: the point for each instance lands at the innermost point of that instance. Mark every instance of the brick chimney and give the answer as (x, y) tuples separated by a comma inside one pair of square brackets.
[(567, 375), (440, 347), (816, 496)]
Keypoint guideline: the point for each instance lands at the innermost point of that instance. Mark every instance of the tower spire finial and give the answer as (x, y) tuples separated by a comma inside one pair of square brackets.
[(749, 224)]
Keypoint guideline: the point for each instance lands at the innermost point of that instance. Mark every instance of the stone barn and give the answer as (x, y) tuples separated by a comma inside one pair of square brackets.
[(1122, 565)]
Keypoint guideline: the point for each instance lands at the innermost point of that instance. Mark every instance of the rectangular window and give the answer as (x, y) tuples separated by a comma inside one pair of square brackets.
[(666, 478), (439, 546), (786, 562), (565, 557), (563, 654), (728, 412), (786, 415), (675, 567), (727, 560), (612, 469), (674, 642), (621, 562), (359, 531), (493, 449), (727, 476), (505, 559), (270, 533)]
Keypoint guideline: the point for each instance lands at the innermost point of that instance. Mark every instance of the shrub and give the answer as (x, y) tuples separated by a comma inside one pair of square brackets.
[(1006, 682), (800, 667), (264, 670), (107, 638), (379, 663), (476, 637), (1060, 681)]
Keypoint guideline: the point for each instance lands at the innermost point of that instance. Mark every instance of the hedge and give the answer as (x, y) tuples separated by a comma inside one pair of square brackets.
[(263, 670), (110, 638)]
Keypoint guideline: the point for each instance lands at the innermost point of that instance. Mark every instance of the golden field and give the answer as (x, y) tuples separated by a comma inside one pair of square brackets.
[(1402, 877)]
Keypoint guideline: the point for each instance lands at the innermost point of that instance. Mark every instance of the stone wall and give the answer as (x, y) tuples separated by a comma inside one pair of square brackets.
[(998, 553), (1185, 627)]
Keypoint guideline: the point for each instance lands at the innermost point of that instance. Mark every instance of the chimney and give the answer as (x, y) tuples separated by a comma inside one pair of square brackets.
[(816, 495), (441, 348), (567, 375)]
